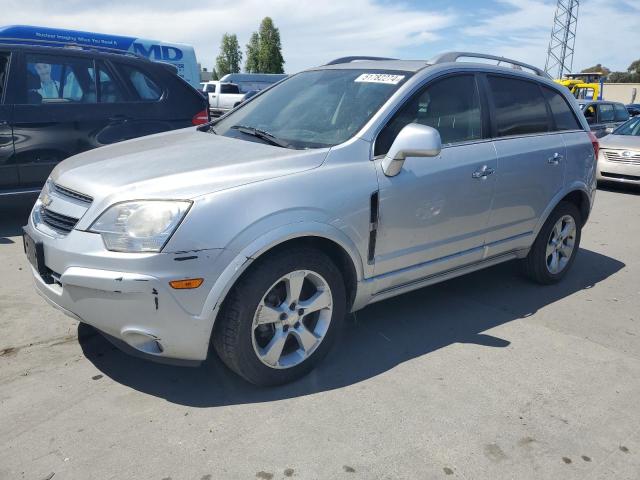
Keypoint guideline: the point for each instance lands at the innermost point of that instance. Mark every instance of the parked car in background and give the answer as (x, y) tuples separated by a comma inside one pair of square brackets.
[(619, 159), (603, 116), (222, 96), (633, 109), (57, 102), (341, 186)]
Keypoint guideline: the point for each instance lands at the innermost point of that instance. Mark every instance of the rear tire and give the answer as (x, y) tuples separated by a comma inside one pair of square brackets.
[(282, 317), (556, 245)]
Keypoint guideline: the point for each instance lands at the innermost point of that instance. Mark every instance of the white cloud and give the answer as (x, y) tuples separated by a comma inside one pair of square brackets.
[(311, 32)]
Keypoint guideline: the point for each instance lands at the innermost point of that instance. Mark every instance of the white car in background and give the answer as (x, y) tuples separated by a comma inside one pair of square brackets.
[(222, 96)]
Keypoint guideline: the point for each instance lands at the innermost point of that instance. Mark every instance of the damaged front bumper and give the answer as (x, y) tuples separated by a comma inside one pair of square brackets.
[(128, 296)]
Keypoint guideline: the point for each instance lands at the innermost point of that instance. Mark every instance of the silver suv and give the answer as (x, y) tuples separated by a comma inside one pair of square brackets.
[(340, 186)]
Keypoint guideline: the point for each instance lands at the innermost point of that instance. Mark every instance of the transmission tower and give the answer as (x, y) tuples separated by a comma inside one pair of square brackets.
[(563, 38)]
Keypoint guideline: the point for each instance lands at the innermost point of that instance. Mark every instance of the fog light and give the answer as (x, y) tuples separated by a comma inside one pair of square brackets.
[(186, 284)]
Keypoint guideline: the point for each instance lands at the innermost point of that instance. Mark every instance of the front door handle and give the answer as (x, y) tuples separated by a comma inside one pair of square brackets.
[(482, 173), (555, 159)]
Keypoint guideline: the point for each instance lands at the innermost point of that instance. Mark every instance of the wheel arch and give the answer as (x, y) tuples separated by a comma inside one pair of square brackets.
[(576, 194), (335, 243)]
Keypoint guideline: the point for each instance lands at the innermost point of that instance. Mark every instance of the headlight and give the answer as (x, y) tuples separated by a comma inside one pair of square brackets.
[(142, 226)]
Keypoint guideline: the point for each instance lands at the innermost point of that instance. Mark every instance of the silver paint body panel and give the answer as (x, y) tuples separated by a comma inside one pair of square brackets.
[(435, 222)]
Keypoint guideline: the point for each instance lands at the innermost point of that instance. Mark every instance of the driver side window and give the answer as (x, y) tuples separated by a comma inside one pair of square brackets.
[(451, 106)]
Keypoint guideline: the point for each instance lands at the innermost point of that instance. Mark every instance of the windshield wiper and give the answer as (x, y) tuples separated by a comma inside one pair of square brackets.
[(262, 135)]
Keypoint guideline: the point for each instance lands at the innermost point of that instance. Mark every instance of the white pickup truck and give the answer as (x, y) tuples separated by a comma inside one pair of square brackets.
[(222, 96)]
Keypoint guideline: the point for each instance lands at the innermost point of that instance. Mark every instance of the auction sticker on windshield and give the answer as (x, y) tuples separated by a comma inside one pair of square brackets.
[(380, 78)]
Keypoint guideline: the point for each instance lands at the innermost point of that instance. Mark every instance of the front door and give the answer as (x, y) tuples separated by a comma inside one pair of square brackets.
[(434, 213), (57, 114)]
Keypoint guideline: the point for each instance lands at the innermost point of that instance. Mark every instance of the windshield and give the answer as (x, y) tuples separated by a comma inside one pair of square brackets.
[(632, 127), (314, 109)]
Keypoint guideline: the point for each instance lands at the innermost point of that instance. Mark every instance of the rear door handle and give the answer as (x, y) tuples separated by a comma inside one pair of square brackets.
[(555, 159), (482, 173), (118, 119)]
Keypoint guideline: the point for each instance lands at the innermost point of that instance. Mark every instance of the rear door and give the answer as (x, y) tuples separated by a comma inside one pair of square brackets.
[(531, 161), (8, 170), (606, 119), (159, 100), (56, 113)]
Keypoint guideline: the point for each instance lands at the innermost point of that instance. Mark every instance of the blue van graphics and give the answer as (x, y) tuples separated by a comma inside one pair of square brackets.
[(183, 57)]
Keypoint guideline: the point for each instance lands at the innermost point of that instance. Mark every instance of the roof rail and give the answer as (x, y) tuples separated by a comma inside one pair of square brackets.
[(69, 45), (454, 56), (356, 59)]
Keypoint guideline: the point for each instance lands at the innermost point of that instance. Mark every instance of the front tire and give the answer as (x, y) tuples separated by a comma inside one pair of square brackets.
[(282, 317), (556, 245)]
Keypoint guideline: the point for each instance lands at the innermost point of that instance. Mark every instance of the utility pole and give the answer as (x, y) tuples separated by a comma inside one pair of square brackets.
[(563, 38)]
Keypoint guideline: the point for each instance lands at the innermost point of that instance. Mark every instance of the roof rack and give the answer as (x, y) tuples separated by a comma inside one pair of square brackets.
[(69, 45), (448, 57), (356, 59)]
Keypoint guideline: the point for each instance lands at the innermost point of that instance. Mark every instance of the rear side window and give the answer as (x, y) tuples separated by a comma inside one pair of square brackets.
[(520, 108), (147, 89), (53, 79), (451, 106), (605, 112), (229, 88), (561, 111), (621, 113), (109, 91), (211, 88)]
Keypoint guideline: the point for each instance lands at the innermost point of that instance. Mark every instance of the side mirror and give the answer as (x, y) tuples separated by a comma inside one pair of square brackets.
[(414, 140)]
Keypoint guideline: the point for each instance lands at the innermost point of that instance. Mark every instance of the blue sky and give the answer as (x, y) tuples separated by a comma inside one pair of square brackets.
[(314, 32)]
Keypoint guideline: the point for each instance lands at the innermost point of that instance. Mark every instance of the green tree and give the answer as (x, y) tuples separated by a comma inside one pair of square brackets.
[(230, 57), (270, 50), (252, 58), (214, 74), (597, 68)]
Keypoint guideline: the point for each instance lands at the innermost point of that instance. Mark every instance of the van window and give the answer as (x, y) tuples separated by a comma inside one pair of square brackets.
[(451, 106), (605, 113), (621, 113), (562, 112), (520, 106), (229, 88), (53, 79), (145, 87)]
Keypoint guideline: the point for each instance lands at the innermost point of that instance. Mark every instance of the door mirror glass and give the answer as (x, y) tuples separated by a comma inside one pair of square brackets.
[(414, 140)]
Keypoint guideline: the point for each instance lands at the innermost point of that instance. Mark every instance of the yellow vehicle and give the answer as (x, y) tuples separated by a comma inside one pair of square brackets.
[(584, 86)]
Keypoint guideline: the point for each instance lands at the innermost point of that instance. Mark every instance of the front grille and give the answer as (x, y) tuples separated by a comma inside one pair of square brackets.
[(633, 158), (56, 221), (620, 176), (65, 192)]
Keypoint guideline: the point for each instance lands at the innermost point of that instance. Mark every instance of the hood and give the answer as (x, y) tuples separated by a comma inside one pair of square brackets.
[(620, 142), (180, 164)]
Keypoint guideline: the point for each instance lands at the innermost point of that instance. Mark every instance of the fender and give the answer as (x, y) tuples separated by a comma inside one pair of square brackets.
[(572, 187), (241, 260)]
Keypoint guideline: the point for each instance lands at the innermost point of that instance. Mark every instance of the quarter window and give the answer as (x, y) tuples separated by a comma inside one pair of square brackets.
[(520, 108), (451, 106), (605, 113), (60, 80), (4, 64), (145, 87), (562, 112)]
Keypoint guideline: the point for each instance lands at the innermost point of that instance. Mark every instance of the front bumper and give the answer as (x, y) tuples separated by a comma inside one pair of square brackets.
[(128, 296), (618, 172)]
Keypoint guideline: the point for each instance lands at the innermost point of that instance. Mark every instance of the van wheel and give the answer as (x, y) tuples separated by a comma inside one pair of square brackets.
[(555, 248), (282, 317)]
